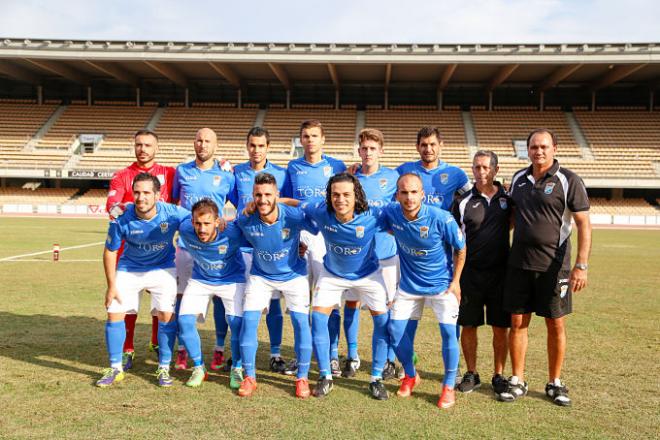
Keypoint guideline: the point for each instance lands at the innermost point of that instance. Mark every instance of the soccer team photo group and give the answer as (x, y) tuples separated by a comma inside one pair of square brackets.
[(318, 241)]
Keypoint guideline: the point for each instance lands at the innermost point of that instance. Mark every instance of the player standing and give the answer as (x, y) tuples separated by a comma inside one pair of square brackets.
[(423, 234), (205, 177), (484, 216), (120, 193), (218, 272), (147, 228), (307, 179), (257, 145)]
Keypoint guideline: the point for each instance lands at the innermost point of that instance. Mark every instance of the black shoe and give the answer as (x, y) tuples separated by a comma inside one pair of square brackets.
[(292, 368), (227, 367), (500, 384), (378, 391), (323, 387), (513, 392), (335, 369), (389, 372), (277, 364), (350, 367), (558, 394), (469, 383)]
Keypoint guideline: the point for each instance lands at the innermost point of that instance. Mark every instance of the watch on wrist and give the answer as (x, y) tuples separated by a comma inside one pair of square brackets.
[(581, 266)]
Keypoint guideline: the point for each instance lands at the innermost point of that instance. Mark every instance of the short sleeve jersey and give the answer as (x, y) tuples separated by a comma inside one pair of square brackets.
[(191, 184), (380, 189), (121, 184), (148, 243), (542, 217), (217, 262), (275, 254), (350, 248), (422, 246), (245, 180), (485, 223), (307, 181), (440, 183)]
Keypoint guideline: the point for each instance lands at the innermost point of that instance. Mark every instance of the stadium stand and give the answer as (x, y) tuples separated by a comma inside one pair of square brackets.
[(19, 122), (601, 205), (93, 196), (51, 196)]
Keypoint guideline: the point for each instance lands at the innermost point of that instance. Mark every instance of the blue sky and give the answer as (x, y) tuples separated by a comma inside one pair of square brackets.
[(341, 21)]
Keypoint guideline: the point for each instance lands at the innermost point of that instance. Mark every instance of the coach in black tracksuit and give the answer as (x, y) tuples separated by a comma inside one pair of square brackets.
[(484, 215), (540, 279)]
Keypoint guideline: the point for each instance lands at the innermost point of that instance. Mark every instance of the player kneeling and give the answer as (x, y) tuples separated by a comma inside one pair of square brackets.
[(218, 271), (147, 229)]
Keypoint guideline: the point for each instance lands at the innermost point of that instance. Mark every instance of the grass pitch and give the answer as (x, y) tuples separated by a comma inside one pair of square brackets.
[(52, 349)]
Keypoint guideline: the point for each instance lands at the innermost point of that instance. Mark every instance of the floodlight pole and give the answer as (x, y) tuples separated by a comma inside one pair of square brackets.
[(40, 94), (89, 95), (137, 96)]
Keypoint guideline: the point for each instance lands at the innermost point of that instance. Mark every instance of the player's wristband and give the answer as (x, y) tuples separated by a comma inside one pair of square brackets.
[(581, 266)]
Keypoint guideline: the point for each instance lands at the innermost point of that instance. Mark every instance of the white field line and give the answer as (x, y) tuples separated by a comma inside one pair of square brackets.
[(50, 261), (50, 251)]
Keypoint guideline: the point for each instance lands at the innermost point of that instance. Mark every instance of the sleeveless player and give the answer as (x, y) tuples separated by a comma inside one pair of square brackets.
[(218, 272), (423, 234), (257, 144), (120, 194), (147, 228), (203, 177), (274, 233)]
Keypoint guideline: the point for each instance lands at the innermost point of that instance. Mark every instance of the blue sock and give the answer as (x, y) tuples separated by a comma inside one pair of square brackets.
[(321, 340), (334, 326), (302, 337), (411, 331), (221, 326), (189, 337), (450, 353), (177, 307), (115, 334), (249, 341), (391, 356), (402, 344), (235, 323), (458, 332), (351, 330), (166, 337), (379, 344), (274, 322)]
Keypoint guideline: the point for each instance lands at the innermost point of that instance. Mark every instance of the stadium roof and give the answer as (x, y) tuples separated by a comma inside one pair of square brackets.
[(541, 66)]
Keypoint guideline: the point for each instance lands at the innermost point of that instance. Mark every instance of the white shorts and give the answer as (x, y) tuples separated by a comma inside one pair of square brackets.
[(409, 306), (370, 290), (161, 284), (259, 291), (196, 298), (314, 255), (184, 265), (247, 259)]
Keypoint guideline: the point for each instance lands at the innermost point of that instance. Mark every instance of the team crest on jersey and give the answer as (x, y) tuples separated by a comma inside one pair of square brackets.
[(382, 184), (359, 231), (222, 249), (327, 171), (549, 187), (424, 232), (161, 178), (444, 177), (503, 203), (217, 180), (285, 233), (164, 227)]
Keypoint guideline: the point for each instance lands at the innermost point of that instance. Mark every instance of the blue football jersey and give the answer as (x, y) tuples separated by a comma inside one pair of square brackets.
[(148, 243), (275, 254), (440, 183), (350, 248), (307, 181), (245, 180), (422, 245), (380, 189), (219, 261), (192, 184)]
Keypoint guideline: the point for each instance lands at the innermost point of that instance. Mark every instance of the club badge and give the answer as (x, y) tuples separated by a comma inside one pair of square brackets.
[(164, 227), (382, 184), (503, 203), (217, 180), (444, 177), (285, 233), (222, 249), (161, 179), (359, 231), (327, 171), (548, 188), (424, 232)]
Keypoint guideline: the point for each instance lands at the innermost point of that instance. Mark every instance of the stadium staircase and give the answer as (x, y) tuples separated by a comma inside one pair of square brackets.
[(360, 122), (259, 119), (155, 118), (44, 128), (579, 137), (470, 134)]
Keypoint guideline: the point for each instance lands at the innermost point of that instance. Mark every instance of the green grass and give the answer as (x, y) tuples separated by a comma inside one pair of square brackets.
[(52, 349)]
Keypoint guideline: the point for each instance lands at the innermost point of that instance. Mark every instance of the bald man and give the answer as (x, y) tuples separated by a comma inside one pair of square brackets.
[(203, 178)]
